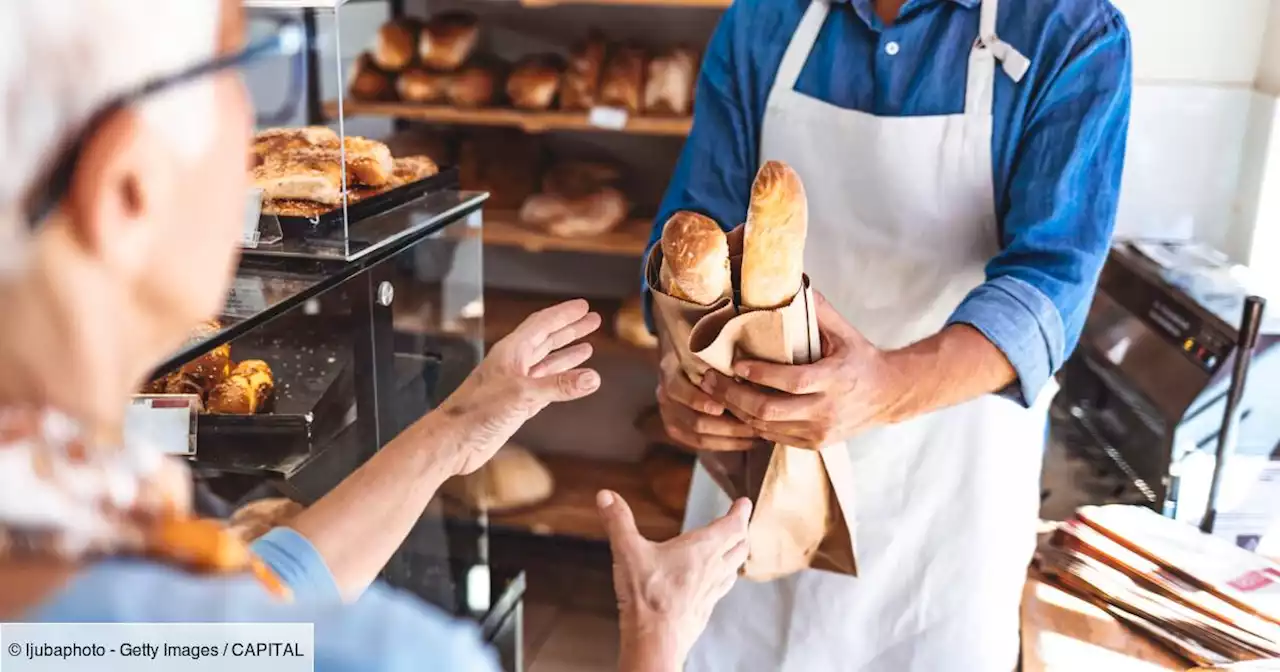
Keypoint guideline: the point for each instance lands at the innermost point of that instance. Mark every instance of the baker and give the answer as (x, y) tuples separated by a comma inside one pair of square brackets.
[(962, 160)]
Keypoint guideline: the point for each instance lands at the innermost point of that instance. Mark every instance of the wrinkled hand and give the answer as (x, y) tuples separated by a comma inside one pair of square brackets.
[(850, 389), (692, 417), (666, 591), (533, 367)]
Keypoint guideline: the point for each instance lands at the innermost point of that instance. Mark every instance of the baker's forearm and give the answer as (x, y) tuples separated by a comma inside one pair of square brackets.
[(956, 365), (360, 523)]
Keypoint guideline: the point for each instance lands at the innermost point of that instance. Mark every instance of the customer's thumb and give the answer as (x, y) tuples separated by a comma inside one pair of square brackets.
[(618, 520), (569, 385)]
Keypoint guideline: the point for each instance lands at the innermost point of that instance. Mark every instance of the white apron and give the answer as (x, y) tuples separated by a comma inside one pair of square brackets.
[(902, 223)]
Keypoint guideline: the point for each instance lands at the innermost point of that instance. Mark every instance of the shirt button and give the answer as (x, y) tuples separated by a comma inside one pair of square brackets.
[(892, 48)]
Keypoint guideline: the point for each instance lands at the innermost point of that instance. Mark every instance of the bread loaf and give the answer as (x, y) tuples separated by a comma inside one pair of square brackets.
[(695, 259), (580, 88), (367, 81), (448, 39), (395, 45), (473, 86), (534, 83), (589, 215), (416, 85), (773, 243), (245, 392), (623, 81), (669, 88)]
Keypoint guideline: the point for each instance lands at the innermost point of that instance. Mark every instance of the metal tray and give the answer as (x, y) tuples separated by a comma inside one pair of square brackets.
[(314, 393), (300, 227)]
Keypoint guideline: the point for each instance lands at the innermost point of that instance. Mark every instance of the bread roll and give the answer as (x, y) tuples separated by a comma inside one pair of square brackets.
[(695, 259), (580, 88), (669, 87), (416, 85), (513, 479), (590, 215), (448, 39), (534, 83), (773, 243), (209, 369), (623, 80), (367, 82), (245, 392), (576, 179), (630, 327), (395, 45), (474, 86), (369, 162)]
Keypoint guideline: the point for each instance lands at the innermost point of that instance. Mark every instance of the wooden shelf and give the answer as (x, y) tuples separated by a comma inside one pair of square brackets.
[(630, 239), (699, 4), (571, 511), (530, 122), (505, 310)]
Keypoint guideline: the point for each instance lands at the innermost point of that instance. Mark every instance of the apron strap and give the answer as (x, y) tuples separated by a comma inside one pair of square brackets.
[(979, 96), (798, 49)]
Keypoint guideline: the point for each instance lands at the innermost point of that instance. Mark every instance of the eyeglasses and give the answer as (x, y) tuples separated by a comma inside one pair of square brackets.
[(287, 40)]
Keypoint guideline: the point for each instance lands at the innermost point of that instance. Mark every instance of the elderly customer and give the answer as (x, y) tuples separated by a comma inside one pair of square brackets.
[(92, 530)]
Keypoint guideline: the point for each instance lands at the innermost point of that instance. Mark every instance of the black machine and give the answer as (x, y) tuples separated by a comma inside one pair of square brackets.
[(1152, 379)]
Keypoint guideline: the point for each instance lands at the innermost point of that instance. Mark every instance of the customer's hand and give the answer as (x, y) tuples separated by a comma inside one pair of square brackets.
[(534, 366), (666, 591), (853, 387), (692, 418)]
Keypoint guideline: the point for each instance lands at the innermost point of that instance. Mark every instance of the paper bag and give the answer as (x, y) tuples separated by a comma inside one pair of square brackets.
[(803, 516)]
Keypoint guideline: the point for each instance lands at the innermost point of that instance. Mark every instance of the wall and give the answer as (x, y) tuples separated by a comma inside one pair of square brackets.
[(1260, 193), (1268, 81), (1196, 41)]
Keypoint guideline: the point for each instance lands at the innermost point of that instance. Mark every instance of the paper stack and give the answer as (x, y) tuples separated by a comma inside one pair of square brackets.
[(1201, 597)]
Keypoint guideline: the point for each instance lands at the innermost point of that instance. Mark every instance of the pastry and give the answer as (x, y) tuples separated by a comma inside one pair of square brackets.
[(473, 86), (413, 168), (629, 325), (774, 236), (245, 392), (261, 516), (369, 162), (623, 79), (422, 86), (209, 369), (513, 479), (395, 45), (447, 40), (534, 83), (307, 175), (669, 86), (281, 140), (367, 82), (695, 259), (581, 82)]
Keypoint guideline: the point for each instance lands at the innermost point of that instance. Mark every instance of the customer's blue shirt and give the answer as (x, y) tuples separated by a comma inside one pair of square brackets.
[(1058, 147), (383, 631)]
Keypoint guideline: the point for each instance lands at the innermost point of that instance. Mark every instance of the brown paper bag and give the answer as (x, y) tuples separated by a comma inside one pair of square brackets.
[(803, 515)]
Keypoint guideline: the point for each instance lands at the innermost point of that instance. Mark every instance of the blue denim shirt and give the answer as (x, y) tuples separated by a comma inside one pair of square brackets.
[(385, 630), (1058, 147)]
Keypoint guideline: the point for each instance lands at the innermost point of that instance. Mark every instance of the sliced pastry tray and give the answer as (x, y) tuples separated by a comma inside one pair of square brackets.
[(313, 396), (365, 204)]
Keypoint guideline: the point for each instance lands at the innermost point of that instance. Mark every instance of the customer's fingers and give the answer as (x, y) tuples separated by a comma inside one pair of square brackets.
[(566, 386), (727, 531), (736, 557), (619, 522), (539, 326), (562, 360), (565, 335)]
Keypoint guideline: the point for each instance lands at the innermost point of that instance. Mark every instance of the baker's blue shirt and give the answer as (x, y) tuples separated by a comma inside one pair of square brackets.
[(1058, 146)]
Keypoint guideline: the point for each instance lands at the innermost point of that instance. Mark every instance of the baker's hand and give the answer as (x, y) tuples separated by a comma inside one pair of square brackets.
[(850, 389), (533, 367), (666, 591), (693, 418)]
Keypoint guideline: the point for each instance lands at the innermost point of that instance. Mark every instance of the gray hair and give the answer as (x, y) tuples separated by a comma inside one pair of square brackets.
[(60, 60)]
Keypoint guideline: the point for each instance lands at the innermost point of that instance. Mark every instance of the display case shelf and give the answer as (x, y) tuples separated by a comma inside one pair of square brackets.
[(529, 122), (502, 228)]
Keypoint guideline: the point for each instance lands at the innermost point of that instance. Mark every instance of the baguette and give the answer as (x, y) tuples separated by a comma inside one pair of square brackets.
[(773, 243), (695, 259)]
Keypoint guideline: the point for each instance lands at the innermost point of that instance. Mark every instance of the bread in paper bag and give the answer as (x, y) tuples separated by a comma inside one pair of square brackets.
[(803, 499)]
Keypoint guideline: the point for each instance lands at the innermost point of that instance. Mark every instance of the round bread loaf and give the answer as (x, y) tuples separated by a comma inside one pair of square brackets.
[(395, 45), (695, 259)]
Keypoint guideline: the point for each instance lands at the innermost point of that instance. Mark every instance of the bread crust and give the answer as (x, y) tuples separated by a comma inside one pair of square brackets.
[(773, 243), (695, 259)]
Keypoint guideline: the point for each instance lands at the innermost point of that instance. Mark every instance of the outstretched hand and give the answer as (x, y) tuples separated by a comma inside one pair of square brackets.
[(534, 366), (666, 591)]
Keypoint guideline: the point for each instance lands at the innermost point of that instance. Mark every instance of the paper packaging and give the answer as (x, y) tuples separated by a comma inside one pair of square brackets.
[(803, 515)]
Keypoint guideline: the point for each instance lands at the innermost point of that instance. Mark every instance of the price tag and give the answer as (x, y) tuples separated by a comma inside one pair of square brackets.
[(247, 298), (252, 213), (166, 421), (611, 118)]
